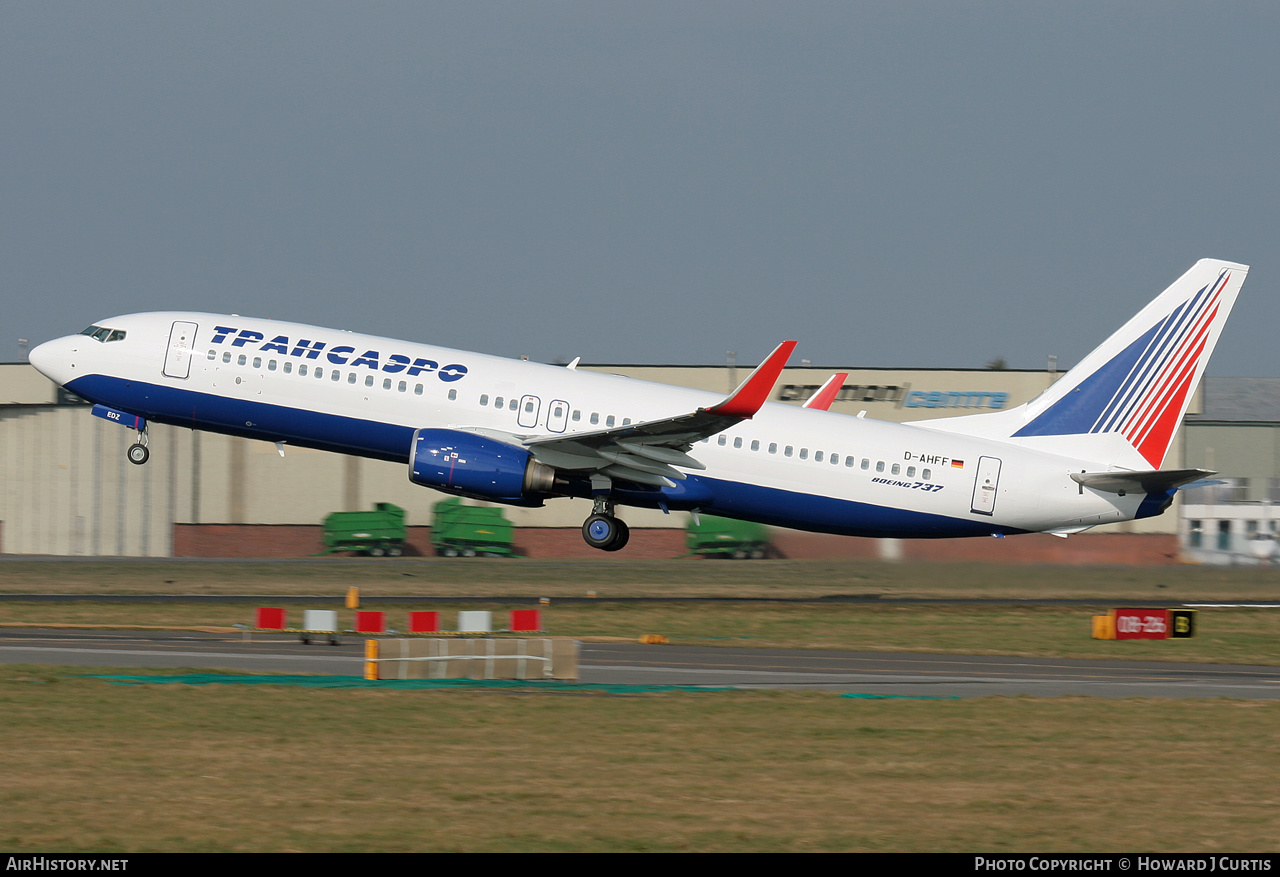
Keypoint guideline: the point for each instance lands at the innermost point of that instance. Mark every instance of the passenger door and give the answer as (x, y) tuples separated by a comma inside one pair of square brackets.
[(177, 359), (985, 485)]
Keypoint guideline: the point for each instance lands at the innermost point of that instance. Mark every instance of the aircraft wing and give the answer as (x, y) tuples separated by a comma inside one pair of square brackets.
[(647, 452), (1149, 481), (826, 394)]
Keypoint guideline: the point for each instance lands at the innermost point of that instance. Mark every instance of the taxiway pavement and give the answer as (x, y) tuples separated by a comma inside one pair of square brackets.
[(891, 674)]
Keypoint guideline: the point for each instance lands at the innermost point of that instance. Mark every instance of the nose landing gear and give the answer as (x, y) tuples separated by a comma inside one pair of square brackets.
[(137, 452)]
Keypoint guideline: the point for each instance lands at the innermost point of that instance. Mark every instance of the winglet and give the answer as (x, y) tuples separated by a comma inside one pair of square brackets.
[(821, 400), (747, 399)]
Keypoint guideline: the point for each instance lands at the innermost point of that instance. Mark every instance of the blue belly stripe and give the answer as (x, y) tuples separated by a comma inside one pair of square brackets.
[(248, 419), (387, 441)]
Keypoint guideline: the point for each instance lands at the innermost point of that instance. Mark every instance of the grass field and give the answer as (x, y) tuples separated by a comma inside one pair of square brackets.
[(94, 766), (1250, 636), (90, 765), (655, 578)]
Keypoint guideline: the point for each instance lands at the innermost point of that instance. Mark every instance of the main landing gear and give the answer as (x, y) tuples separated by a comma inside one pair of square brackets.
[(604, 531), (138, 453)]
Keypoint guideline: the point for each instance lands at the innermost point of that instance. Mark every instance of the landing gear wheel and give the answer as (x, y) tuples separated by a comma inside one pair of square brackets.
[(624, 536), (605, 532), (138, 454)]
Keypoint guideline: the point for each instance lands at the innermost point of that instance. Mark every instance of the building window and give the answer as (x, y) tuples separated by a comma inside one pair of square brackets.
[(1224, 535), (1194, 531)]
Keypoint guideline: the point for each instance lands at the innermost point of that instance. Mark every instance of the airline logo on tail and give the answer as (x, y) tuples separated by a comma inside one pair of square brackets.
[(1143, 390)]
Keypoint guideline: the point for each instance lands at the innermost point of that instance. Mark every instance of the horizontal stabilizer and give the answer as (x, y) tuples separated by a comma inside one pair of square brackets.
[(1150, 481)]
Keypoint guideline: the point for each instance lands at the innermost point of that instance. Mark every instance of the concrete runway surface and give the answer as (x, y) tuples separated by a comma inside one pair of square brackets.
[(890, 674)]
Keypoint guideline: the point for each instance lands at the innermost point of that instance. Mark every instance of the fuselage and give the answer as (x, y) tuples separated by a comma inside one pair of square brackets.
[(367, 395)]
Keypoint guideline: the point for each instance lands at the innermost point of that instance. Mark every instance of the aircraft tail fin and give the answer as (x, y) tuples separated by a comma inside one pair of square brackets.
[(1123, 402)]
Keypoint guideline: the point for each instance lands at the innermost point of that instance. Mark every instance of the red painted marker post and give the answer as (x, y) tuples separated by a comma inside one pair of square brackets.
[(269, 619), (371, 622)]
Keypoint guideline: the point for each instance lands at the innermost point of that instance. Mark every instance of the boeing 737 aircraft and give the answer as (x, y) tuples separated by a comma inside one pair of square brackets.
[(1086, 451)]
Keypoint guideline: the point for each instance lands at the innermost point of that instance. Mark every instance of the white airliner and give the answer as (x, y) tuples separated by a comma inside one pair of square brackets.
[(1087, 451)]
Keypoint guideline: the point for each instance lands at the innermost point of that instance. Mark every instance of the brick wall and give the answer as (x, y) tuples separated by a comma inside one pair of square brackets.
[(287, 540), (1126, 549)]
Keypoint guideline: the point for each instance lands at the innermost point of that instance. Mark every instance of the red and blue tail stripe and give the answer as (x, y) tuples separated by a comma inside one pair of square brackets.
[(1142, 391)]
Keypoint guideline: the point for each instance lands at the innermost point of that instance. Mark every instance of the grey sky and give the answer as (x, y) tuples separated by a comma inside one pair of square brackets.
[(895, 184)]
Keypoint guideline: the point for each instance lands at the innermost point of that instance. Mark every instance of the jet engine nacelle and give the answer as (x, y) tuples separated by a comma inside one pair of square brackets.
[(479, 467)]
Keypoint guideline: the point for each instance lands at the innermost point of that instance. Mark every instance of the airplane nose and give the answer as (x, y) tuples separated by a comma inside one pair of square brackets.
[(54, 359)]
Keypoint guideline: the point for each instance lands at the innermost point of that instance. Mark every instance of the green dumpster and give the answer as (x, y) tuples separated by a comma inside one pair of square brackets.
[(373, 533), (710, 536), (460, 530)]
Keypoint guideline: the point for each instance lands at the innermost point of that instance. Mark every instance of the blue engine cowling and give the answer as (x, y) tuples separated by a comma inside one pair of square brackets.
[(473, 465)]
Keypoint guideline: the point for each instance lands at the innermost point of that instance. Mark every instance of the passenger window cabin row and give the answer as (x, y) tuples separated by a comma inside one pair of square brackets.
[(319, 373), (530, 406), (833, 458)]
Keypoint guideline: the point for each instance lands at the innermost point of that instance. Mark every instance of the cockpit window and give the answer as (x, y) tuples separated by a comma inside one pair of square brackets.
[(103, 334)]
